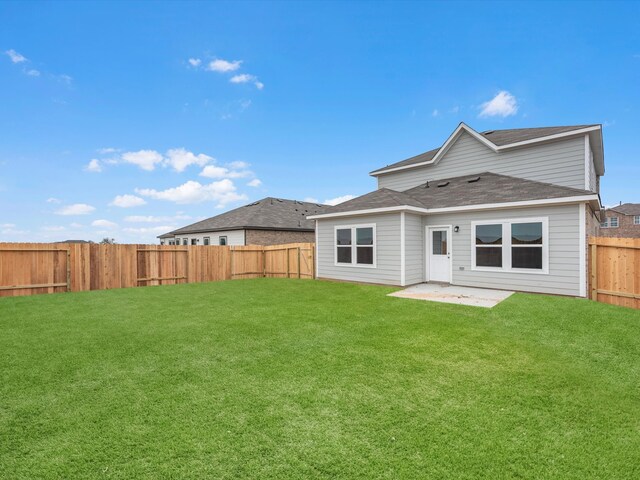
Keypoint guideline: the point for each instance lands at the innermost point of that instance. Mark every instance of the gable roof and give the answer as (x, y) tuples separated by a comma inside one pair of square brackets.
[(501, 140), (459, 192), (266, 214), (627, 209)]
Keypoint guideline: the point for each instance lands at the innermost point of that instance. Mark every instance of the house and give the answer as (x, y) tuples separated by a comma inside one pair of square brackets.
[(269, 221), (506, 209), (621, 221)]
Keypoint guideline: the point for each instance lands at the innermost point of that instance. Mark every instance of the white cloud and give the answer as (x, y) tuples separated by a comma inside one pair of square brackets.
[(455, 109), (311, 200), (179, 159), (219, 65), (195, 62), (145, 159), (54, 228), (255, 183), (15, 56), (238, 165), (75, 225), (76, 209), (32, 72), (53, 200), (8, 225), (435, 113), (127, 201), (222, 192), (502, 105), (247, 78), (94, 166), (67, 79), (150, 230), (337, 200), (242, 78), (104, 224), (154, 219), (107, 150), (213, 171)]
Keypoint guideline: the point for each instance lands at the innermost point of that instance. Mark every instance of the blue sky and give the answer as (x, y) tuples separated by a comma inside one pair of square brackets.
[(108, 128)]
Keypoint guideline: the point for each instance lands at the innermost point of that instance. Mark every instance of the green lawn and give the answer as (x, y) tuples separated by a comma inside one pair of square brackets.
[(300, 379)]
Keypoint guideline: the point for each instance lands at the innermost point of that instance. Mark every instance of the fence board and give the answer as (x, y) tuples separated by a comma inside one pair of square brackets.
[(29, 268), (615, 271)]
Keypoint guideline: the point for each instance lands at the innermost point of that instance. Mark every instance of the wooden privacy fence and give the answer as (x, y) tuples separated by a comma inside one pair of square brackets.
[(614, 271), (34, 268)]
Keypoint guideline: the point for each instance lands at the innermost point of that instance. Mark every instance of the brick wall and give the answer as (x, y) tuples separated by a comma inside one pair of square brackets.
[(277, 237), (626, 227)]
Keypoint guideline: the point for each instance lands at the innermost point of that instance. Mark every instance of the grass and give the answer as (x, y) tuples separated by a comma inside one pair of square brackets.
[(299, 379)]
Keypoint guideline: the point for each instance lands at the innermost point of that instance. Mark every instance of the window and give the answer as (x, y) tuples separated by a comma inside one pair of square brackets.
[(185, 241), (511, 245), (355, 245), (172, 242), (222, 240), (610, 222), (206, 241), (194, 241), (636, 219), (489, 245), (161, 242)]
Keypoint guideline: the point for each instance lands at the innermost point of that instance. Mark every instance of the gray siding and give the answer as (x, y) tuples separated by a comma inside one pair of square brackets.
[(564, 251), (387, 269), (414, 249), (560, 162)]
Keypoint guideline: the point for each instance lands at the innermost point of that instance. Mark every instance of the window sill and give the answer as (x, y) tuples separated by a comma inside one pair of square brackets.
[(356, 265), (528, 271)]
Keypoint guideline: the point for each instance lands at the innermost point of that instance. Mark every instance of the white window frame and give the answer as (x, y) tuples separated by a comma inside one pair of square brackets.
[(506, 245), (636, 219), (354, 252), (206, 241), (607, 223), (185, 241), (226, 240)]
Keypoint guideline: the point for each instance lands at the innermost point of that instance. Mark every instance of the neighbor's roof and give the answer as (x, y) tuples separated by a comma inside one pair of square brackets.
[(499, 138), (266, 214), (479, 189), (627, 209)]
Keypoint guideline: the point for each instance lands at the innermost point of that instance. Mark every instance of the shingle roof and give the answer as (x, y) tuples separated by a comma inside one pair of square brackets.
[(627, 209), (477, 189), (497, 137), (266, 214)]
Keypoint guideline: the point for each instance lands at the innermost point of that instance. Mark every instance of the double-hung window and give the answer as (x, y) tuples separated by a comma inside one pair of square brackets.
[(206, 241), (518, 245), (222, 240), (610, 222), (356, 245), (636, 219)]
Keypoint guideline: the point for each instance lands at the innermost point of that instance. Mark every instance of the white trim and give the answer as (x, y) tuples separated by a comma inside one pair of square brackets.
[(506, 245), (316, 249), (403, 269), (582, 211), (465, 208), (428, 250), (370, 211), (485, 141), (587, 167), (354, 252)]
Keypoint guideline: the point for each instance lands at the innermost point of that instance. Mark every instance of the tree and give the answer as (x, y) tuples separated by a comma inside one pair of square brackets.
[(108, 241)]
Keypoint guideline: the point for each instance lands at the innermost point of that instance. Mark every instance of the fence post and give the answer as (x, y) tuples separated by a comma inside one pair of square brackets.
[(264, 262), (288, 266), (594, 271), (68, 267), (298, 262)]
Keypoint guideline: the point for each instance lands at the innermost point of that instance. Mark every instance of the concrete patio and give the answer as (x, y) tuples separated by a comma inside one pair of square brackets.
[(435, 292)]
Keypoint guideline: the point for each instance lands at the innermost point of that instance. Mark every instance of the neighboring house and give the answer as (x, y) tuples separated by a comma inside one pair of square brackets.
[(621, 221), (269, 221), (506, 209)]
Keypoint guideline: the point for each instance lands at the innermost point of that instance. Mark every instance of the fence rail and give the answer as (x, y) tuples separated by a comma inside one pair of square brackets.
[(32, 268), (614, 271)]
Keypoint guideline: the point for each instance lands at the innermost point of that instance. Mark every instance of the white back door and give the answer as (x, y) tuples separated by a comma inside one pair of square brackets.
[(439, 254)]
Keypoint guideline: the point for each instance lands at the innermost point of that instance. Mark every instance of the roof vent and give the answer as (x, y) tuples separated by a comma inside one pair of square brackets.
[(443, 184), (489, 132), (473, 180), (426, 185)]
